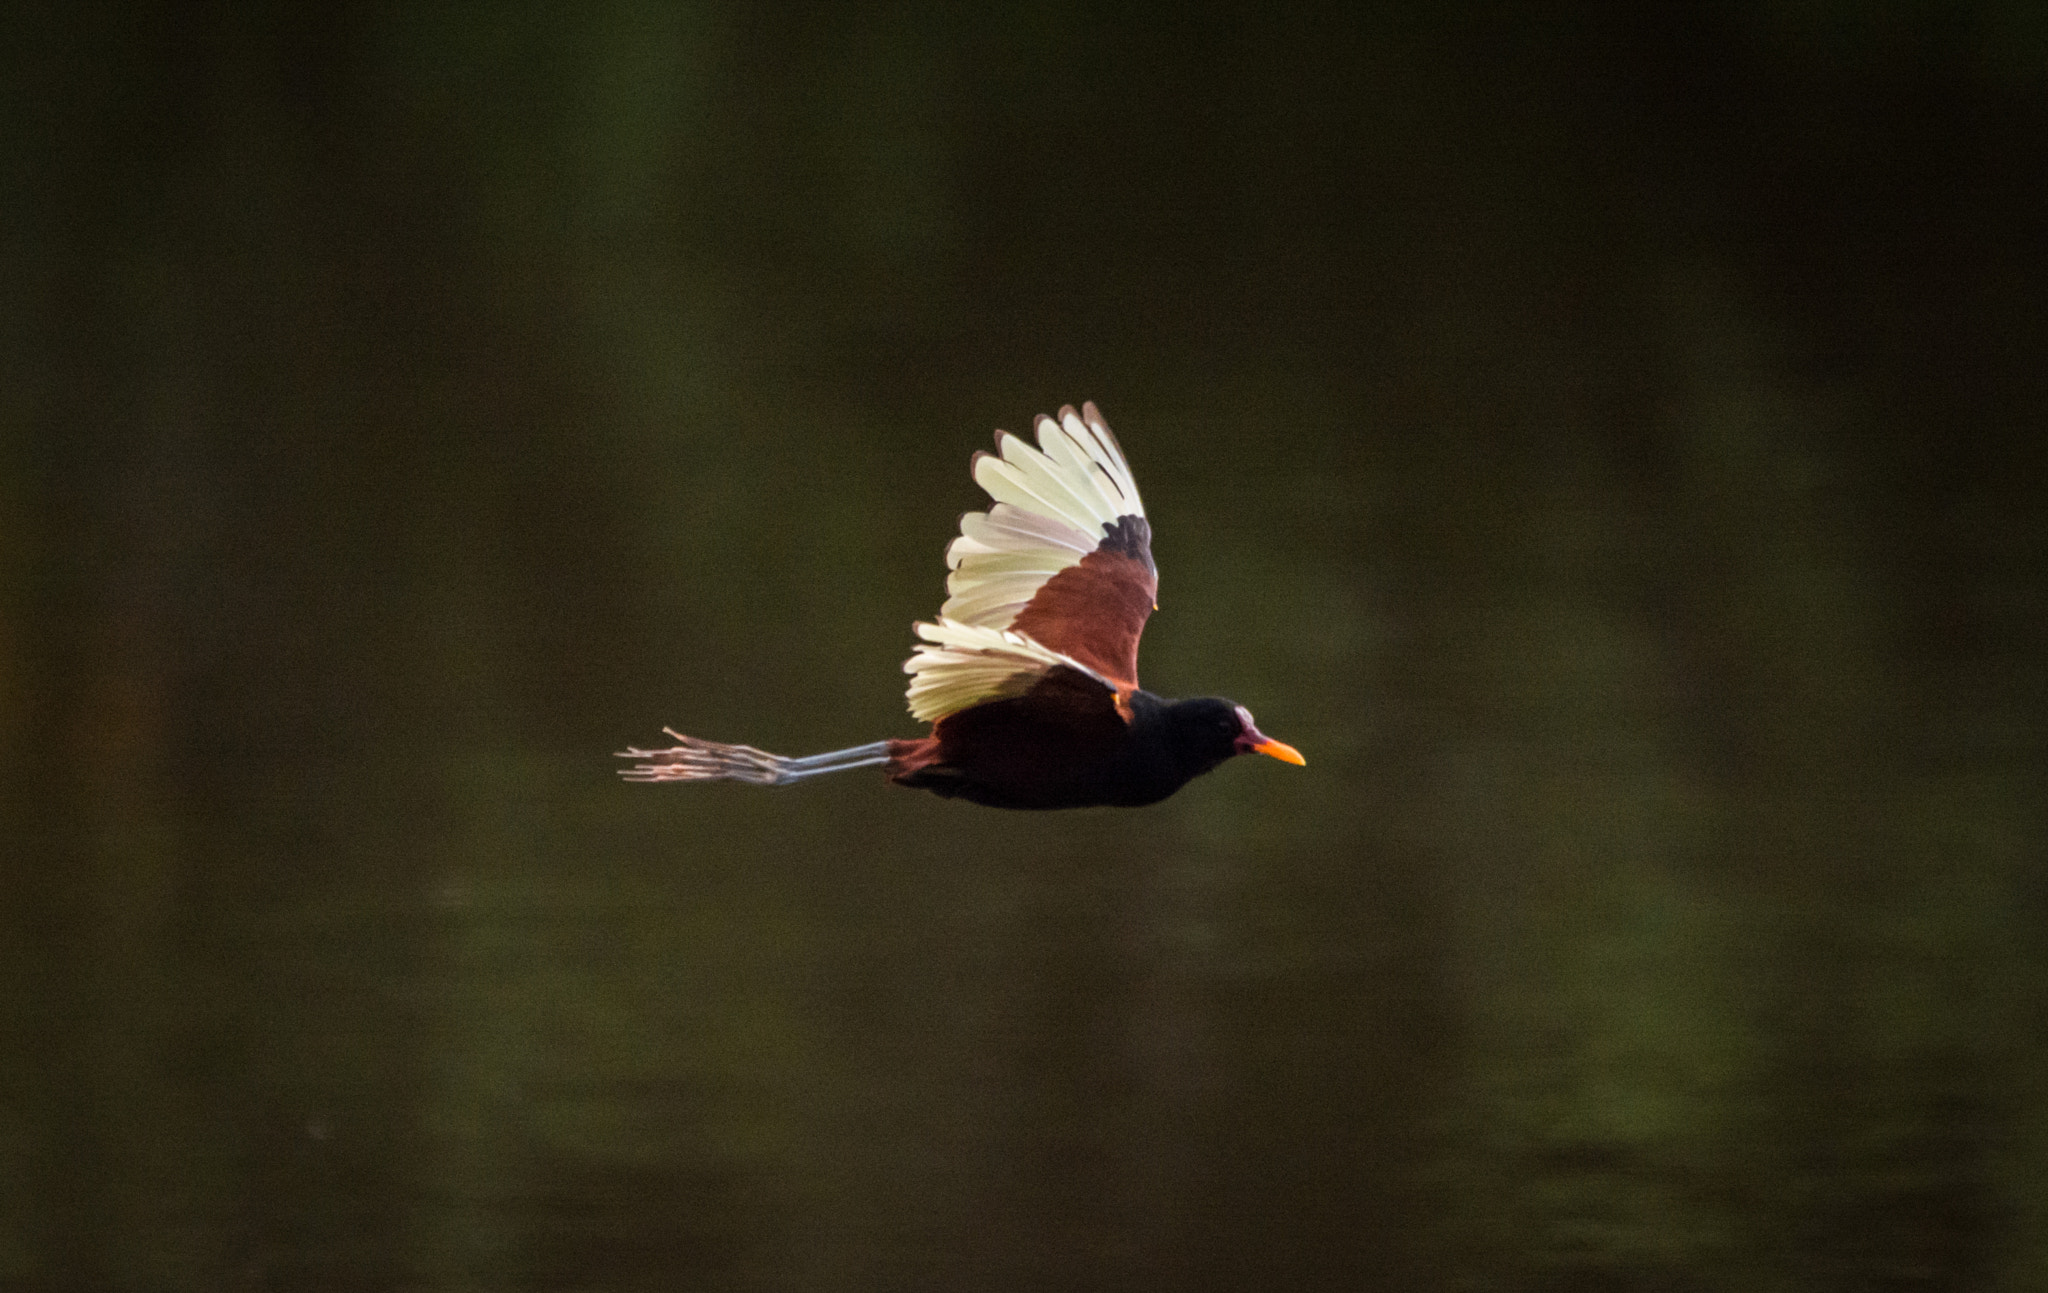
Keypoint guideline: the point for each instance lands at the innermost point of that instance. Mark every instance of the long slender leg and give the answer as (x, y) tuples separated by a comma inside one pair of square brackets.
[(693, 759)]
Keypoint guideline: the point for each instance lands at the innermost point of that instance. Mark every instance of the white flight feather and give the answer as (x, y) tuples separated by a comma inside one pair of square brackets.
[(961, 665), (1012, 528), (1002, 516), (986, 606), (1039, 561), (1067, 444), (1100, 444), (1055, 556), (1006, 482), (1016, 585), (1073, 495)]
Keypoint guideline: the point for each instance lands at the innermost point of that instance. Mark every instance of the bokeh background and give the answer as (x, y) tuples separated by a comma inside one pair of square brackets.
[(1608, 440)]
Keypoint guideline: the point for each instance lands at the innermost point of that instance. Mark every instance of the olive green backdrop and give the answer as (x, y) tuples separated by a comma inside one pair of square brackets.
[(1608, 441)]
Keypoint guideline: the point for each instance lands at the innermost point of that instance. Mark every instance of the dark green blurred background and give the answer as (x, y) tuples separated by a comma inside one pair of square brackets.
[(1609, 441)]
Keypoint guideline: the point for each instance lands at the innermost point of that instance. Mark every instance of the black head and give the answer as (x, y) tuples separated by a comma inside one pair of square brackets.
[(1207, 731)]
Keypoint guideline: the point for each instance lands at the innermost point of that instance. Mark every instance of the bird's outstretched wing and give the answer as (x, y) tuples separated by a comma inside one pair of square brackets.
[(1062, 563)]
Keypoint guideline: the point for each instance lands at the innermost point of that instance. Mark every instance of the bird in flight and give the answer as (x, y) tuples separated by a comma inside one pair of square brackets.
[(1030, 676)]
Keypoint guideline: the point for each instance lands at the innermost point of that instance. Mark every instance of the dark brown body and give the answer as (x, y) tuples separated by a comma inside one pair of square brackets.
[(1063, 744)]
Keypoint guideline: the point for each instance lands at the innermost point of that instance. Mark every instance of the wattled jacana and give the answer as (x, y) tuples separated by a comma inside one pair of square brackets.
[(1030, 677)]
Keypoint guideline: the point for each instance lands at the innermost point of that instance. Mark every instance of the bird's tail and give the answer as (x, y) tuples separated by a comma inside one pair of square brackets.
[(691, 759)]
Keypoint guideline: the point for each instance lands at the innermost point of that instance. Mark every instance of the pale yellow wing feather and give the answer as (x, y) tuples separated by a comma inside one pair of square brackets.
[(958, 666)]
